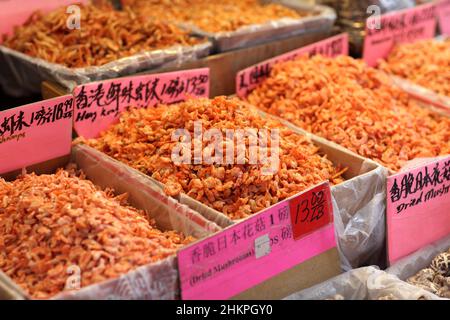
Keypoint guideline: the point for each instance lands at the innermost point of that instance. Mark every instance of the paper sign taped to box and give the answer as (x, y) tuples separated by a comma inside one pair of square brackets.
[(35, 133), (249, 78), (99, 104), (443, 11), (405, 26), (248, 253), (13, 14), (418, 207)]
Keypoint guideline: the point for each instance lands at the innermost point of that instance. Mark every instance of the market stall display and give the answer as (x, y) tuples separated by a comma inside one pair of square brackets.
[(234, 24), (355, 106), (108, 44), (225, 150)]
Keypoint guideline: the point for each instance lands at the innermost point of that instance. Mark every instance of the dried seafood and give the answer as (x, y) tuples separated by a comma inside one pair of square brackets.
[(345, 101), (219, 16), (426, 63), (50, 223), (143, 140)]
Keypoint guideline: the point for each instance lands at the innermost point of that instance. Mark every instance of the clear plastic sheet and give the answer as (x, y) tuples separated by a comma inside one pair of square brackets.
[(410, 265), (360, 220), (155, 281), (368, 283), (323, 19), (22, 75)]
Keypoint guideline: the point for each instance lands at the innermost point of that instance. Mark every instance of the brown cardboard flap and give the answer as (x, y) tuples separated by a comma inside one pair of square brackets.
[(316, 270)]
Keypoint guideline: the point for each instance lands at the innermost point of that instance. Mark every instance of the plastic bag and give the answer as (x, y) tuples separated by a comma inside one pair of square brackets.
[(368, 283)]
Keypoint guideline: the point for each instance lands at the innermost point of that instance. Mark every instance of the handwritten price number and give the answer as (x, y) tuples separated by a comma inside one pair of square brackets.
[(310, 211), (317, 208)]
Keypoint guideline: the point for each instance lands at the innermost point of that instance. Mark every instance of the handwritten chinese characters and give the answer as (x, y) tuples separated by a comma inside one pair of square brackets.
[(36, 132), (418, 202), (398, 27), (414, 188), (249, 78), (98, 105)]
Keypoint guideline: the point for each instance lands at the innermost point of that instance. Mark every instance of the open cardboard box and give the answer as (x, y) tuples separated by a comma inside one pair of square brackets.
[(303, 275), (157, 280), (359, 205)]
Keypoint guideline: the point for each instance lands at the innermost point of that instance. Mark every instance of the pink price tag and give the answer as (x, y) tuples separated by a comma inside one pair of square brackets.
[(404, 26), (35, 133), (99, 104), (249, 78), (443, 11), (247, 254), (13, 13), (418, 207)]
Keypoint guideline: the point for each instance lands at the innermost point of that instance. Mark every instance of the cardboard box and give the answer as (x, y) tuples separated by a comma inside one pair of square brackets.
[(157, 280)]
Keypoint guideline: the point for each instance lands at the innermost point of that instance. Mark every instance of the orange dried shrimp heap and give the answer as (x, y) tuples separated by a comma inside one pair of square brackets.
[(355, 106), (426, 63), (105, 35), (219, 16), (50, 223), (143, 140)]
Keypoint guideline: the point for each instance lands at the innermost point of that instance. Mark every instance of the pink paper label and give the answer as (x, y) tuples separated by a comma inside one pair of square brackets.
[(35, 133), (405, 26), (15, 13), (249, 78), (247, 254), (443, 11), (418, 207), (99, 104)]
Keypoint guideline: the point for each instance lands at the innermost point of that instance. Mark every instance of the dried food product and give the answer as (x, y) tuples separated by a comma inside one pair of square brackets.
[(389, 296), (426, 63), (343, 100), (51, 223), (219, 16), (435, 278), (143, 140), (105, 35)]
